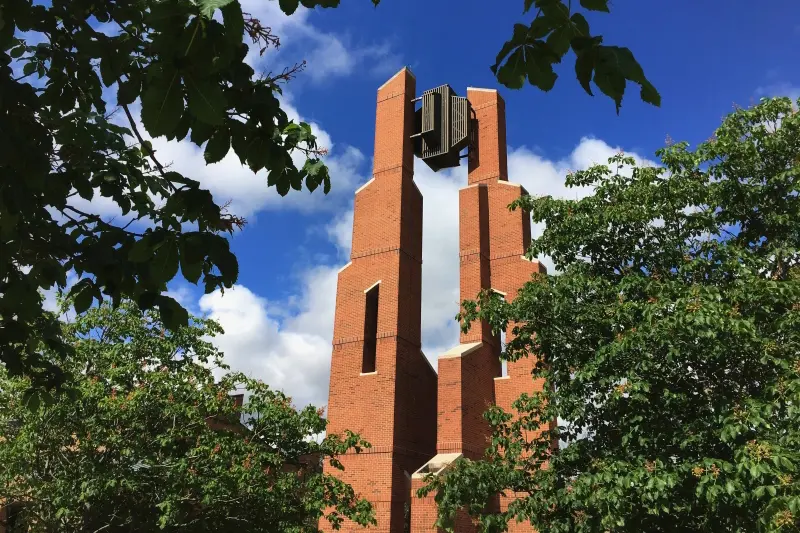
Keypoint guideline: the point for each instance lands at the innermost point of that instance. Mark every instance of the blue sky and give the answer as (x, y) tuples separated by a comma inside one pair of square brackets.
[(702, 58)]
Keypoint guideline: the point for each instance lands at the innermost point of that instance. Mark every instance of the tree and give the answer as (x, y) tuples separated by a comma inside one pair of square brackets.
[(145, 439), (70, 74), (556, 29), (669, 344)]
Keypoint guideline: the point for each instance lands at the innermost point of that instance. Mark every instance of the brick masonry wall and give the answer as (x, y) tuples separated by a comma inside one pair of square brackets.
[(393, 408), (490, 160), (509, 238)]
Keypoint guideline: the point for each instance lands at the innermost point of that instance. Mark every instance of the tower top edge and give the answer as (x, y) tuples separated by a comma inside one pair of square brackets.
[(404, 69)]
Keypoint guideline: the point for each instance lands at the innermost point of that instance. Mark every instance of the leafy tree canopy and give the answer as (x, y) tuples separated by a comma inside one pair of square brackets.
[(669, 345), (62, 65), (557, 28), (147, 440)]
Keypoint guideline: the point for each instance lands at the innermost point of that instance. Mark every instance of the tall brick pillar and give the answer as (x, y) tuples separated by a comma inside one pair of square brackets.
[(493, 241), (509, 239), (382, 386)]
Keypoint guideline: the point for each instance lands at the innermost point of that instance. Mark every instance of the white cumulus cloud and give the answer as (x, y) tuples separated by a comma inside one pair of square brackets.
[(327, 54)]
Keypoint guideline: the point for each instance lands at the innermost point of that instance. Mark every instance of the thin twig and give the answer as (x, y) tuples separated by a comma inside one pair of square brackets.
[(286, 74), (148, 148)]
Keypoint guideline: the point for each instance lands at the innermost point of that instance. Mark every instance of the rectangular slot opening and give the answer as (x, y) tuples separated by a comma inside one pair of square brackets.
[(370, 330), (502, 339)]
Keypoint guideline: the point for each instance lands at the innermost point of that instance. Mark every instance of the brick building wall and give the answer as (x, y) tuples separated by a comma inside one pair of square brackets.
[(393, 405), (419, 422)]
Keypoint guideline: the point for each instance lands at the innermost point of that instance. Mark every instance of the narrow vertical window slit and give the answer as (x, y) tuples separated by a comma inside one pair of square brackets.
[(370, 330)]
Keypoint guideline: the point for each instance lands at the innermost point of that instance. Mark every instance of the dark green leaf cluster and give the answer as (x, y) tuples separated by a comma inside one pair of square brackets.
[(59, 143), (534, 49), (145, 439), (668, 345)]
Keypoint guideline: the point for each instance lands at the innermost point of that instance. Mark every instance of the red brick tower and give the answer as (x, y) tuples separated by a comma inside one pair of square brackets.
[(382, 386), (492, 242)]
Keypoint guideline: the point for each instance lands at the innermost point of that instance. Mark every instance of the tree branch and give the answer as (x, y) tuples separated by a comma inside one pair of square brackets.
[(147, 146)]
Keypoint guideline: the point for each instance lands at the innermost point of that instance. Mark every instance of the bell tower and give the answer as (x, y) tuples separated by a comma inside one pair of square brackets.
[(382, 386)]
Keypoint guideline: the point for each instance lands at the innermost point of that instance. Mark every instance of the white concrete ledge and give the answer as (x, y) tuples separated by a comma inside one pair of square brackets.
[(461, 350), (436, 465), (364, 186)]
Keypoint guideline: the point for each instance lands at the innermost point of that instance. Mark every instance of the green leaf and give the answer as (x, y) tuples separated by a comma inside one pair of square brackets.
[(580, 26), (164, 264), (31, 400), (611, 84), (621, 60), (584, 66), (226, 262), (518, 39), (129, 90), (539, 70), (558, 40), (541, 26), (217, 146), (289, 6), (512, 74), (141, 250), (649, 94), (192, 257), (201, 132), (206, 101), (162, 105), (596, 5), (614, 65), (233, 20), (108, 70), (173, 315), (29, 68), (207, 7), (83, 299)]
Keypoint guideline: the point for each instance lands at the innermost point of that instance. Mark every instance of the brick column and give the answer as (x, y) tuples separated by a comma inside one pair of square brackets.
[(466, 372), (423, 510), (490, 160), (392, 401), (509, 239), (474, 252)]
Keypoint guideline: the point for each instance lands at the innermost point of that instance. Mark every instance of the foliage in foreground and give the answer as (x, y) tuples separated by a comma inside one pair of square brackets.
[(559, 27), (670, 345), (72, 75), (148, 441)]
